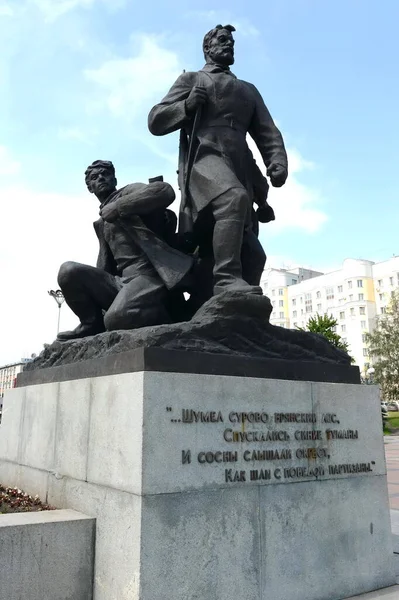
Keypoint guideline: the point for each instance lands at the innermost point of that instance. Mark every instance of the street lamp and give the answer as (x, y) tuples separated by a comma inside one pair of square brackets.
[(59, 298), (370, 375)]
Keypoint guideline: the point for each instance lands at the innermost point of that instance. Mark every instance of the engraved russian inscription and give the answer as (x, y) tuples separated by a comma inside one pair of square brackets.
[(301, 444), (186, 457)]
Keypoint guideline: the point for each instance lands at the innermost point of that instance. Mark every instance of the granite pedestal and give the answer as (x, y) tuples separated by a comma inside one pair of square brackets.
[(210, 486)]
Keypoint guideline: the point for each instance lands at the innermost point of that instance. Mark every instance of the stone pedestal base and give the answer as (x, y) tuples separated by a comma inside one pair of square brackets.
[(211, 487)]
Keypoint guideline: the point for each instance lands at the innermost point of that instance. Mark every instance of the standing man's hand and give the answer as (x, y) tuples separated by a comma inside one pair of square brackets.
[(278, 175), (109, 212), (265, 214), (198, 97)]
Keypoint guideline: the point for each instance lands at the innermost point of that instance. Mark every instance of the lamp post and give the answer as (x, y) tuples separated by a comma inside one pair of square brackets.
[(370, 375), (59, 298)]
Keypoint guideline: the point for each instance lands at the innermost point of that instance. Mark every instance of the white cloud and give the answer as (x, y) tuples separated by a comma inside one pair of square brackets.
[(74, 133), (8, 165), (213, 17), (5, 9), (51, 228), (130, 83), (297, 206), (53, 9)]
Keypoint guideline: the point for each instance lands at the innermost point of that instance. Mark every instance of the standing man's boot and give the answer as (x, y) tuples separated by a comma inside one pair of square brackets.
[(227, 244)]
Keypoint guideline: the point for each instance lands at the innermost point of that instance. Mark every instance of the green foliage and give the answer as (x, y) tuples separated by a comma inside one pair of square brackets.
[(384, 350), (325, 325)]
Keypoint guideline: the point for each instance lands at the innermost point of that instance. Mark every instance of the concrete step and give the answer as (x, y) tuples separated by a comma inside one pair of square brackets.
[(391, 593)]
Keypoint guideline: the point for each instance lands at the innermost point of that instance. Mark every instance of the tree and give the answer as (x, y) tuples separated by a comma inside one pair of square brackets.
[(325, 325), (384, 350)]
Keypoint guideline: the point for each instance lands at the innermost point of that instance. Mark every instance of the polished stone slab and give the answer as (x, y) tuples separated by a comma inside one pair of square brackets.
[(175, 361)]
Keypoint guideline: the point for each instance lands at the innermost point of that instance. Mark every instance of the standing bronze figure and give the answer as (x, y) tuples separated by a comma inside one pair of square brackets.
[(216, 110)]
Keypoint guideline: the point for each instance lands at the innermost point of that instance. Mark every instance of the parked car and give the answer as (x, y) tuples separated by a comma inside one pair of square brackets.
[(393, 406)]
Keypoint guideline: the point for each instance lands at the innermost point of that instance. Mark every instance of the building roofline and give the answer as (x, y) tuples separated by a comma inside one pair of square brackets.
[(23, 361)]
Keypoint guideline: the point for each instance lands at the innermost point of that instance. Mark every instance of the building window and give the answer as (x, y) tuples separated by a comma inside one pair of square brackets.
[(344, 340), (379, 283), (361, 296), (364, 338), (281, 292), (294, 314), (281, 303), (301, 299), (342, 315), (308, 308), (281, 315), (381, 297), (349, 285), (330, 293), (343, 328), (362, 310), (273, 292), (293, 281), (340, 289), (383, 310), (318, 294), (301, 311), (294, 302), (352, 312), (360, 283), (391, 280), (319, 308), (365, 351), (363, 324), (350, 297)]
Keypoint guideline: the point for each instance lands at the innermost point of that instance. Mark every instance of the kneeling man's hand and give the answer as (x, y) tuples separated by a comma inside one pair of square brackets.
[(109, 212)]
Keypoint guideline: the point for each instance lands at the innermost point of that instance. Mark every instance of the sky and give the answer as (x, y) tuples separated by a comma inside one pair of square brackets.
[(78, 78)]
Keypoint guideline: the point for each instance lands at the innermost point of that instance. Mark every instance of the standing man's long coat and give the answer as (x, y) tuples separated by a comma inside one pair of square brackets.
[(222, 156)]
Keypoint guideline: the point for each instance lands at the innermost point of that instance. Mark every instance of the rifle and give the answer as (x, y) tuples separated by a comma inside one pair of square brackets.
[(186, 161)]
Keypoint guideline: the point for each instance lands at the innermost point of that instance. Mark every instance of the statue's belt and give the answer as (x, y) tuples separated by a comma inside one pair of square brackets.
[(223, 122)]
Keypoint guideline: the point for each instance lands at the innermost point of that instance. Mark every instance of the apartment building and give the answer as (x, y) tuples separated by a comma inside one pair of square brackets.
[(355, 295), (276, 284), (386, 281), (8, 375)]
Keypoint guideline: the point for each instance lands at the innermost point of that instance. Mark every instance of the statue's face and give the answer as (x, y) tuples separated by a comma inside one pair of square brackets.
[(102, 182), (221, 48)]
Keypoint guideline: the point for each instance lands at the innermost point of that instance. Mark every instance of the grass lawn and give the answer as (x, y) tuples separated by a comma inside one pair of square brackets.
[(392, 423)]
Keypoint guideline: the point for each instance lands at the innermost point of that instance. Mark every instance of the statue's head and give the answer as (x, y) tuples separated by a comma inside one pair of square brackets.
[(218, 45), (100, 178)]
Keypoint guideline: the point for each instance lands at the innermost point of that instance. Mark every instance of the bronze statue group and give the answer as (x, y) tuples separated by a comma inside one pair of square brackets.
[(148, 273)]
